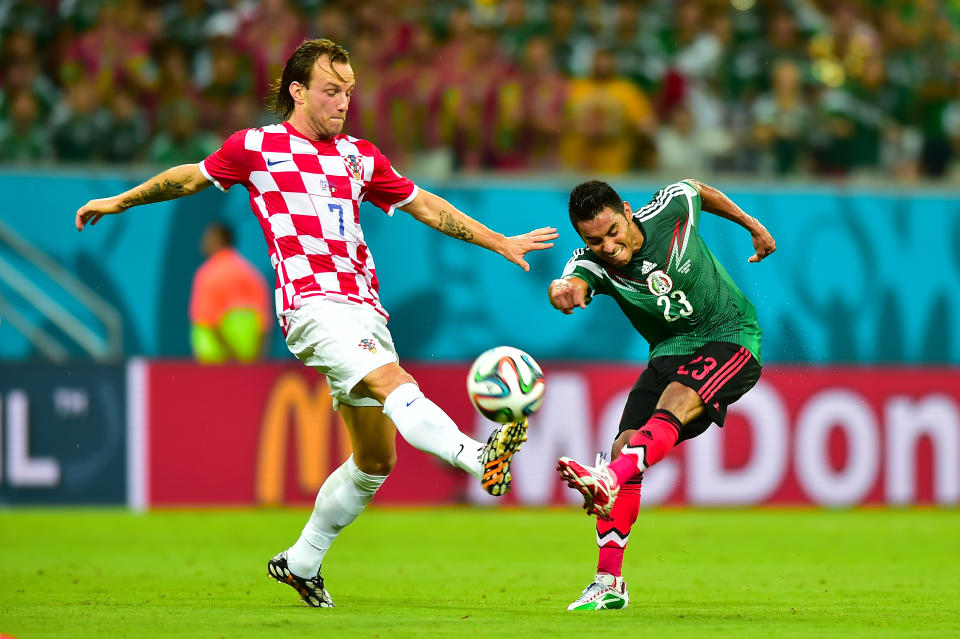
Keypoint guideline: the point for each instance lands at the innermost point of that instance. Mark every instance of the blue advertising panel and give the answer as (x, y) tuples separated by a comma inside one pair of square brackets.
[(62, 434)]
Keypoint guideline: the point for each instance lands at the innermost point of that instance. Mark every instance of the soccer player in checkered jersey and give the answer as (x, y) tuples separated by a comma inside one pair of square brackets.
[(703, 335), (306, 181)]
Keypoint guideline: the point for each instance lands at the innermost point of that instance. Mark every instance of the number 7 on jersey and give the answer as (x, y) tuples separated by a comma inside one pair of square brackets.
[(339, 210)]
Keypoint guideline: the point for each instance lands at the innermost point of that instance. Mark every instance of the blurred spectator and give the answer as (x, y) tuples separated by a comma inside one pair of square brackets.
[(514, 27), (229, 303), (126, 130), (694, 48), (609, 123), (633, 41), (20, 70), (683, 146), (834, 128), (782, 120), (229, 80), (951, 126), (178, 140), (841, 51), (941, 49), (545, 92), (174, 81), (565, 36), (242, 112), (78, 124), (27, 16), (23, 136), (23, 75), (332, 22), (113, 53), (750, 73), (186, 22), (874, 114), (227, 16), (268, 36), (468, 97), (401, 106)]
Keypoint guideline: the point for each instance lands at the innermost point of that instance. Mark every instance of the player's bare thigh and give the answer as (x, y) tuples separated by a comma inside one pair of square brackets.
[(373, 438), (382, 381)]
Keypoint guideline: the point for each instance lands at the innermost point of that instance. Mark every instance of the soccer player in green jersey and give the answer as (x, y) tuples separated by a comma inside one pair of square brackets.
[(703, 335)]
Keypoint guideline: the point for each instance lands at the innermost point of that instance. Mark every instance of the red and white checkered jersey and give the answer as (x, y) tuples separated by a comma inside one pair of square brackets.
[(307, 196)]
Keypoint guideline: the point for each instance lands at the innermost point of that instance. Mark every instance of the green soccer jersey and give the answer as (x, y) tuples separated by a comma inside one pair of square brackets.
[(673, 291)]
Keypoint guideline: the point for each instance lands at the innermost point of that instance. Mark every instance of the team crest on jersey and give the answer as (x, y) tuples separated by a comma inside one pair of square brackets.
[(354, 165), (368, 344), (659, 283)]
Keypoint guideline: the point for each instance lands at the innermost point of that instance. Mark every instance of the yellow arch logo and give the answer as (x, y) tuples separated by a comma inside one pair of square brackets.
[(293, 407)]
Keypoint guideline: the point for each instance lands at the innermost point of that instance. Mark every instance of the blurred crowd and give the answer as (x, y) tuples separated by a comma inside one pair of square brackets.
[(761, 87)]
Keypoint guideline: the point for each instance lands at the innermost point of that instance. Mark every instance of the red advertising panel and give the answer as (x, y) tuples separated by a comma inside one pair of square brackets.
[(266, 434)]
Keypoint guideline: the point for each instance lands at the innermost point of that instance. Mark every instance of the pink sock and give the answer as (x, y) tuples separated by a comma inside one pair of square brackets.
[(648, 445), (613, 533)]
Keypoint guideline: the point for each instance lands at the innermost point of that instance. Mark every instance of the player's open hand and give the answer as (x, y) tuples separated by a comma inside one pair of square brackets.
[(568, 294), (519, 245), (92, 211), (763, 244)]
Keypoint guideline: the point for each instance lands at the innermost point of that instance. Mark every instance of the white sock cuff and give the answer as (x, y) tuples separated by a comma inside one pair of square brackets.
[(401, 396), (364, 481)]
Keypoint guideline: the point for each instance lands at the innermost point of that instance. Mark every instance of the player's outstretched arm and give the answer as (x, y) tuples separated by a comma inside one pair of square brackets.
[(568, 293), (185, 179), (436, 212), (713, 201)]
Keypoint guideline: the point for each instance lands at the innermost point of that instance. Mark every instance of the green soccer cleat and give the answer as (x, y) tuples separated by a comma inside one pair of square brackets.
[(311, 590), (605, 593), (496, 456)]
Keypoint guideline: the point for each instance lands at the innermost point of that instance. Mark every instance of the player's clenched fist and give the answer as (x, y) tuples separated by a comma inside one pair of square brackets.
[(568, 293)]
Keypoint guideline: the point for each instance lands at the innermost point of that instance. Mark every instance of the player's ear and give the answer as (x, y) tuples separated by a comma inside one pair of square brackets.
[(296, 92), (627, 210)]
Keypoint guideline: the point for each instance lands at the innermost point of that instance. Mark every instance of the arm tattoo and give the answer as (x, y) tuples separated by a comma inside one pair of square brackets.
[(159, 192), (454, 227)]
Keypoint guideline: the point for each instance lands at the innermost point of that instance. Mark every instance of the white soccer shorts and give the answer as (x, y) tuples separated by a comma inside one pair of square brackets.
[(343, 341)]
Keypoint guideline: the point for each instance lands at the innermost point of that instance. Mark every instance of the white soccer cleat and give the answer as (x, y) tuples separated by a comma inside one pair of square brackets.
[(605, 593), (597, 484)]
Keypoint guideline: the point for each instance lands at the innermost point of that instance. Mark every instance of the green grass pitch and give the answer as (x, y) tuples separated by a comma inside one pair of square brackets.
[(462, 572)]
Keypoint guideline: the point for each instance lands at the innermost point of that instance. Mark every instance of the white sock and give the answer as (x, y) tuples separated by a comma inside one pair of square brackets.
[(343, 496), (426, 427)]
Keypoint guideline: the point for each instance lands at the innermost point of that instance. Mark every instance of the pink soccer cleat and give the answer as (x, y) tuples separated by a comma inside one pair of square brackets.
[(597, 484)]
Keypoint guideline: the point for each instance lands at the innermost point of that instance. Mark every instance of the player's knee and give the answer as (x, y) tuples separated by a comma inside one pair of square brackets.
[(380, 465)]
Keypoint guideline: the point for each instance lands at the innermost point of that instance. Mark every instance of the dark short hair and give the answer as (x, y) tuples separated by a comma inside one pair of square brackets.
[(589, 198), (222, 230), (298, 68)]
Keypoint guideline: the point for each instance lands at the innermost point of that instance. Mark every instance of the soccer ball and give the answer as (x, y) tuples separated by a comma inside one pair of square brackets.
[(505, 384)]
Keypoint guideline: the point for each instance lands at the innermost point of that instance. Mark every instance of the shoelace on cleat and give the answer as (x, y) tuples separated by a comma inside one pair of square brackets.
[(588, 592)]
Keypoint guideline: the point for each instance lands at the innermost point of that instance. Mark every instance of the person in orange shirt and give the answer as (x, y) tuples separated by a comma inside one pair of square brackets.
[(229, 302)]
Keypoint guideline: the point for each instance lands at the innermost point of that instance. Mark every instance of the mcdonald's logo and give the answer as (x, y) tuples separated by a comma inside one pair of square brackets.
[(293, 407)]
